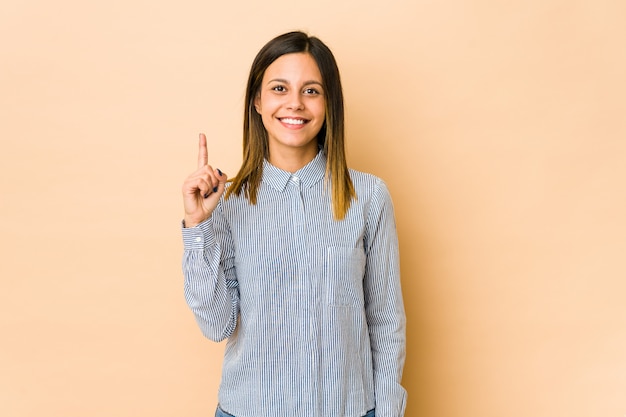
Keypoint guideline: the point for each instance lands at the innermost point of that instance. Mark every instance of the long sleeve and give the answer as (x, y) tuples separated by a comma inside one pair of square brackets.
[(384, 307), (211, 288)]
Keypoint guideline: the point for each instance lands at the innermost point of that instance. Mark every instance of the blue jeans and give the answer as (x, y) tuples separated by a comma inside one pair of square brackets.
[(221, 413)]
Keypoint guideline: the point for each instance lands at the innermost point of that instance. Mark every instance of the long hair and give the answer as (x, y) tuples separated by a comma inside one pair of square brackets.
[(330, 137)]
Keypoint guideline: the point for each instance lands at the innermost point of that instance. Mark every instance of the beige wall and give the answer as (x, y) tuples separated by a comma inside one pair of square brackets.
[(499, 127)]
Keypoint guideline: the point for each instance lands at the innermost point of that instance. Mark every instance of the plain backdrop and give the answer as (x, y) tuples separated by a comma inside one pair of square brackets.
[(499, 127)]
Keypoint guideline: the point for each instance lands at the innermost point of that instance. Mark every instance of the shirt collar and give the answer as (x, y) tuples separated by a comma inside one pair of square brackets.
[(308, 175)]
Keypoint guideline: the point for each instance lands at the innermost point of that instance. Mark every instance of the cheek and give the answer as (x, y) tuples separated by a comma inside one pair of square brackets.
[(321, 112), (266, 119), (267, 105), (321, 107)]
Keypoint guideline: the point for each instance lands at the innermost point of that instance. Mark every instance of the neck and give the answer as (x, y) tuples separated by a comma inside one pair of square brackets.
[(291, 160)]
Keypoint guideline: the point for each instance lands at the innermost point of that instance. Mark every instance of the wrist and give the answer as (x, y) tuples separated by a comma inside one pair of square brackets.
[(189, 222)]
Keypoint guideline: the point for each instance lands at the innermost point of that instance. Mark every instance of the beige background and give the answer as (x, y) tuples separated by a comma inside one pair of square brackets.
[(498, 125)]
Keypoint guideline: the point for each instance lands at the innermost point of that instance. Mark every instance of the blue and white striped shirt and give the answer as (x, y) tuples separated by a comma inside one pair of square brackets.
[(312, 307)]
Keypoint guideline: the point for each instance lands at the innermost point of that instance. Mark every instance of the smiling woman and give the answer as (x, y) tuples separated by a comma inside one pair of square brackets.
[(296, 260), (278, 55), (291, 105)]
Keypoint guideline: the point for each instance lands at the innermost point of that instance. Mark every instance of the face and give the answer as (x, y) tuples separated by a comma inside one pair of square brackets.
[(291, 104)]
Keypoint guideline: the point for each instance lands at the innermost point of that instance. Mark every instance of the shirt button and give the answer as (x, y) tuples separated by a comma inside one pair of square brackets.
[(295, 179), (198, 239)]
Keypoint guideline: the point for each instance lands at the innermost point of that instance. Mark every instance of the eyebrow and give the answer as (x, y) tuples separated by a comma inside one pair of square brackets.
[(282, 80)]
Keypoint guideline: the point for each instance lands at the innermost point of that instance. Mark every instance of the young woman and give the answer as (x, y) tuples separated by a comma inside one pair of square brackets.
[(295, 260)]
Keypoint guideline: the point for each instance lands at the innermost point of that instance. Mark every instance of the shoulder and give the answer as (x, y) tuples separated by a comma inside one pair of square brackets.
[(372, 195), (231, 202), (367, 185)]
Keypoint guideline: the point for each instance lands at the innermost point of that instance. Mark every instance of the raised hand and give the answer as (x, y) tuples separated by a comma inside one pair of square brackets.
[(202, 189)]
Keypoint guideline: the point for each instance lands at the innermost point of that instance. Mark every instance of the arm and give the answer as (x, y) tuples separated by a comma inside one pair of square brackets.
[(211, 288), (384, 307)]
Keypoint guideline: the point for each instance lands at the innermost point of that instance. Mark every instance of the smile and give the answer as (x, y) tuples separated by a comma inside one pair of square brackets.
[(291, 121)]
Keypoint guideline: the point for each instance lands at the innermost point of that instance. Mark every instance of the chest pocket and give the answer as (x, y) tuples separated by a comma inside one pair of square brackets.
[(344, 271)]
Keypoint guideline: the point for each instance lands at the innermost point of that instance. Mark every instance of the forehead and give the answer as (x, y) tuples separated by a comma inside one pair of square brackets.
[(294, 67)]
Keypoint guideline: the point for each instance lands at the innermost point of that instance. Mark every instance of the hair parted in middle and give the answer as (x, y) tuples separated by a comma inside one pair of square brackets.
[(330, 137)]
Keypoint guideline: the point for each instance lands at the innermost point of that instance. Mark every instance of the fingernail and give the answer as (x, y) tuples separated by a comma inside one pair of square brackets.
[(214, 189), (206, 195), (220, 172)]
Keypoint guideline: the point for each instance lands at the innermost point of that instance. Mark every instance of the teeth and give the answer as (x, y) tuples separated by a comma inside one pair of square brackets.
[(292, 121)]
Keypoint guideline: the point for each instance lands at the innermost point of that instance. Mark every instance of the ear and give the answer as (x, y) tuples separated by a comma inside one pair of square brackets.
[(257, 103)]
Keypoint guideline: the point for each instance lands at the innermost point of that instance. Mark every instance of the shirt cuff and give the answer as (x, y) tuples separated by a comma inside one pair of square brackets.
[(199, 236)]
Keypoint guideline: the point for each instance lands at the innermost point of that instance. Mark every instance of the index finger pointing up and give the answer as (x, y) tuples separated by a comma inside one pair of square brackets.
[(203, 156)]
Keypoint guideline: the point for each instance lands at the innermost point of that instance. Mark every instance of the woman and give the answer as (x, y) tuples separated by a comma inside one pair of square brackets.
[(295, 260)]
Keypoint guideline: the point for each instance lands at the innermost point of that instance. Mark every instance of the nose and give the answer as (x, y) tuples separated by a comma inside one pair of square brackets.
[(294, 101)]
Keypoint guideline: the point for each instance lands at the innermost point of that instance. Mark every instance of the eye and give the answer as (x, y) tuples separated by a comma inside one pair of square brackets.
[(279, 88), (311, 91)]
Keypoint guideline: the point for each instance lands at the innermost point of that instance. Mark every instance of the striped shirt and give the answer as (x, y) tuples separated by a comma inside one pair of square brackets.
[(312, 307)]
